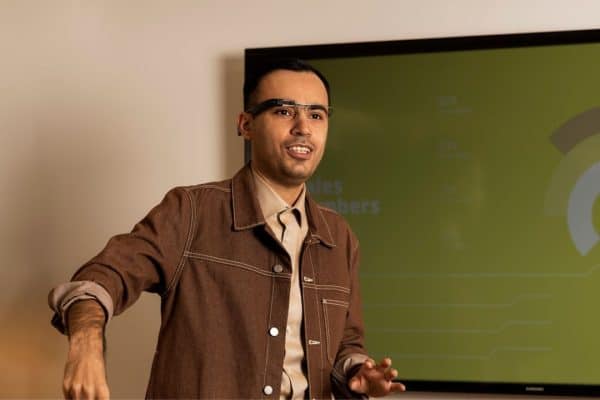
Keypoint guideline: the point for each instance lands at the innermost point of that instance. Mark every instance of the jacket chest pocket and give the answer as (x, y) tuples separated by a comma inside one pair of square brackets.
[(334, 313)]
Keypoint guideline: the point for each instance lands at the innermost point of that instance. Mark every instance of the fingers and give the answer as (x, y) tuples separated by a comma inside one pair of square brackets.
[(390, 374), (85, 379), (81, 392), (385, 367), (386, 362), (354, 385), (104, 393), (397, 387), (376, 379)]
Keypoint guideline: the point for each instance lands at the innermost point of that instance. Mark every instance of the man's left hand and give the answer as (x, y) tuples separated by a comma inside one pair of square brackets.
[(376, 380)]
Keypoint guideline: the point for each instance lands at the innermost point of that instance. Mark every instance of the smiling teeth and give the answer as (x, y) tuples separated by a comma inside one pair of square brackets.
[(300, 149)]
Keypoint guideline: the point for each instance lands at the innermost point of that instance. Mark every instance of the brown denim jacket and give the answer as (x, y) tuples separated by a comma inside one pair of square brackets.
[(225, 281)]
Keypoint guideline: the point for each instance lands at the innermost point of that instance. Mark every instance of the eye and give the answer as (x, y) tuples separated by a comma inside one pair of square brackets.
[(284, 111), (318, 114)]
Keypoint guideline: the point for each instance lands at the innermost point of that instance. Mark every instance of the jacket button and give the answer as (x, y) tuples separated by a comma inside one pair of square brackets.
[(268, 390), (277, 268), (273, 331)]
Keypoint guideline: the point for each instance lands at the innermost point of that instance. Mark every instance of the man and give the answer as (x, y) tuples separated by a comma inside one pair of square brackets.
[(259, 284)]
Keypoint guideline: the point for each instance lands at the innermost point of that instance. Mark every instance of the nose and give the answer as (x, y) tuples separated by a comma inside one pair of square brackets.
[(302, 126)]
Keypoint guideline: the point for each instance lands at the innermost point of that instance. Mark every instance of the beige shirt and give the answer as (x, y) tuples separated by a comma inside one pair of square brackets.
[(290, 227)]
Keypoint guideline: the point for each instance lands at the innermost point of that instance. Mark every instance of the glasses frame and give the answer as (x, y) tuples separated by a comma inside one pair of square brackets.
[(270, 103)]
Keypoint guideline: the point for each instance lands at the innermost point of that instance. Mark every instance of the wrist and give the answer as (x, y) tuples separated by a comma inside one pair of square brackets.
[(90, 339), (86, 321), (353, 371)]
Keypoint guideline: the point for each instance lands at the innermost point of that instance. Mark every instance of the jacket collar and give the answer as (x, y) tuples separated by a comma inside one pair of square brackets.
[(247, 213)]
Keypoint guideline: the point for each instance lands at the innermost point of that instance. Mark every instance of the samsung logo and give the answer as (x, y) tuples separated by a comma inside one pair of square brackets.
[(534, 388)]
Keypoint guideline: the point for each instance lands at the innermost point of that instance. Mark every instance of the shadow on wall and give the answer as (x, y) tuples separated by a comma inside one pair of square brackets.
[(67, 190), (86, 161), (232, 68)]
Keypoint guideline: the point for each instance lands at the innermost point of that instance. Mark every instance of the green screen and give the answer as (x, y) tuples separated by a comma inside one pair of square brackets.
[(470, 179)]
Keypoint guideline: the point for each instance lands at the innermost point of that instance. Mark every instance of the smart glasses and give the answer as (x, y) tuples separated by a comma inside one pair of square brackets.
[(291, 109)]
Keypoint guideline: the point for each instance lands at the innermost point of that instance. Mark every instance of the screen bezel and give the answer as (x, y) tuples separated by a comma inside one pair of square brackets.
[(431, 45)]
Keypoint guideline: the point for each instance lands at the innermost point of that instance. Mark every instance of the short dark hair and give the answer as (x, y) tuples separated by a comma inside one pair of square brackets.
[(258, 70)]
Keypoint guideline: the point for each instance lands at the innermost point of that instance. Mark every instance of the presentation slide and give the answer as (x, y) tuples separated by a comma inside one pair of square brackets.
[(471, 179)]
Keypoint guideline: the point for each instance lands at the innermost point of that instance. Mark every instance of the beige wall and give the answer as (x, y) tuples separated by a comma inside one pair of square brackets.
[(104, 105)]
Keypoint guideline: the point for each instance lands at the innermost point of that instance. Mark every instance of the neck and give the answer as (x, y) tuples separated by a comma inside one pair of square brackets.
[(288, 193)]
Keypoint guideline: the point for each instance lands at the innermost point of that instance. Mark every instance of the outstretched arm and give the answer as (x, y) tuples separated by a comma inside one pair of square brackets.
[(376, 379), (85, 374), (147, 259)]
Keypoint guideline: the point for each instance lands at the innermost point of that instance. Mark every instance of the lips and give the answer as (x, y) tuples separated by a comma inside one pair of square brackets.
[(299, 150)]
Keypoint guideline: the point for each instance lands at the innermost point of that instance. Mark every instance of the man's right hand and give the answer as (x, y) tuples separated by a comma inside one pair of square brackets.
[(85, 374)]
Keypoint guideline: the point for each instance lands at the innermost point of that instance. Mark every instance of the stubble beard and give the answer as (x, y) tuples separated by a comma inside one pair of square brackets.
[(296, 176), (288, 173)]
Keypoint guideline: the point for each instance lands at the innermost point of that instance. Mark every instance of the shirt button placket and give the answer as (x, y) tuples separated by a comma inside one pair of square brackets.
[(273, 331)]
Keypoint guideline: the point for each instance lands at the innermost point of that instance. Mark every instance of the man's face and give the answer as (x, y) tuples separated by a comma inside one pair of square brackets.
[(288, 142)]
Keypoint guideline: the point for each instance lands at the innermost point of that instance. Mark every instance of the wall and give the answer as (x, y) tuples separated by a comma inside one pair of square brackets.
[(105, 105)]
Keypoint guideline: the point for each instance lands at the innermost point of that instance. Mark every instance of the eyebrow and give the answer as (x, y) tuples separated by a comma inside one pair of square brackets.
[(265, 105)]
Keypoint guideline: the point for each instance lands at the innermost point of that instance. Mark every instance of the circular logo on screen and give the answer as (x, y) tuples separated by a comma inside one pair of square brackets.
[(575, 184)]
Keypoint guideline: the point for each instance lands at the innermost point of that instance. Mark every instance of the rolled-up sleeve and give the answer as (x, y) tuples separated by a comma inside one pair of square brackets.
[(149, 258), (64, 295)]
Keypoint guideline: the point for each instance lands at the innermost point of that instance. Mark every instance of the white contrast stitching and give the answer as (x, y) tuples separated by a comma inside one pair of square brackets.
[(268, 341), (235, 215), (326, 224), (237, 264), (327, 330), (336, 303), (187, 244), (312, 267), (209, 186), (328, 287)]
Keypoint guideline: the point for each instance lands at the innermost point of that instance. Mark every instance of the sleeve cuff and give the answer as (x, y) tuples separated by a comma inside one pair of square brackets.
[(63, 296), (344, 366), (342, 371), (348, 364)]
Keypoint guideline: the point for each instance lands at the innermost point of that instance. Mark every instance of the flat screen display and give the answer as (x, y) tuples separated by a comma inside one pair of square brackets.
[(469, 168)]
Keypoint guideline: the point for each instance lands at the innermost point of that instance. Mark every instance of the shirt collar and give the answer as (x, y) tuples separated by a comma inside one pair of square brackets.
[(247, 213)]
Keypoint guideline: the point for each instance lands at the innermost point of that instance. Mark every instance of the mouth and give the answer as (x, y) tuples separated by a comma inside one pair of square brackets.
[(300, 151)]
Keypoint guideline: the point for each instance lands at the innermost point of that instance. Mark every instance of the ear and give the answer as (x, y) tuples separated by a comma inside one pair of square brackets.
[(244, 125)]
